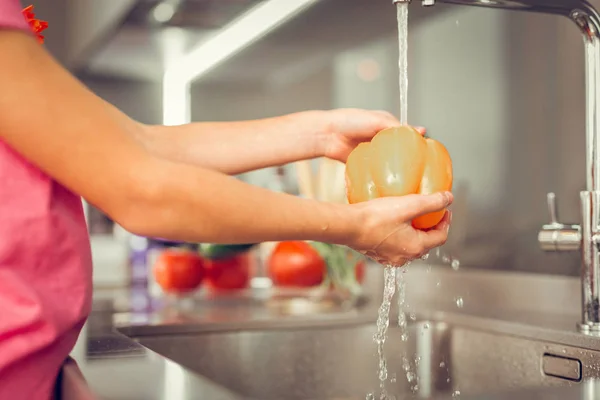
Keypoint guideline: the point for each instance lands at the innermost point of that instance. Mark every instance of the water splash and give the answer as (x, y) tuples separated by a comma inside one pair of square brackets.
[(447, 259), (455, 264), (459, 302)]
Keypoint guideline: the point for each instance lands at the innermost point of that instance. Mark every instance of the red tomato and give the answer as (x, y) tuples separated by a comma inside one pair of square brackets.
[(296, 263), (229, 273), (360, 271), (179, 270)]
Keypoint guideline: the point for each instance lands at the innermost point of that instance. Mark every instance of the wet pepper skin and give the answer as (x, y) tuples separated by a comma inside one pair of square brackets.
[(399, 161)]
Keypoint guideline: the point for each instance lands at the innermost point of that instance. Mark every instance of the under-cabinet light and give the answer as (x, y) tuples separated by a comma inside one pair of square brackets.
[(176, 100), (228, 41), (175, 91), (237, 35)]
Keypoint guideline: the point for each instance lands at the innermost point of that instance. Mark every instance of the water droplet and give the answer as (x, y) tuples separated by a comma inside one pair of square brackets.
[(417, 360), (456, 393), (410, 376), (564, 351), (393, 378), (401, 319), (438, 284), (405, 364), (442, 364), (370, 396), (425, 257), (426, 325), (416, 388), (404, 337), (413, 316), (456, 22), (455, 264), (459, 302), (448, 380), (383, 374)]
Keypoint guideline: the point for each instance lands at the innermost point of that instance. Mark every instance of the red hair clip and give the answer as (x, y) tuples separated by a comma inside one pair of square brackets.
[(36, 25)]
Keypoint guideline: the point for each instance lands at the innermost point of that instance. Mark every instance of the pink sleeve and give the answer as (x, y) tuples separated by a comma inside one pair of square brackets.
[(11, 15)]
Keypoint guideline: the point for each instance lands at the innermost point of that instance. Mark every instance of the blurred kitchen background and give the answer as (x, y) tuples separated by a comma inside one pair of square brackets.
[(504, 91)]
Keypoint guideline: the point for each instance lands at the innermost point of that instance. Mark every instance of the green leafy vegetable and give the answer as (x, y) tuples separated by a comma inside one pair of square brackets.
[(341, 263), (220, 251)]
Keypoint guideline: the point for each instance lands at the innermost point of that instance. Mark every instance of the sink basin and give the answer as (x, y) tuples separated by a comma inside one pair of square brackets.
[(510, 332), (341, 362)]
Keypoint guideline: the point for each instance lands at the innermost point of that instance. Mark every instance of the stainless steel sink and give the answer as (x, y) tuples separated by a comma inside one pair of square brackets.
[(341, 362), (510, 332)]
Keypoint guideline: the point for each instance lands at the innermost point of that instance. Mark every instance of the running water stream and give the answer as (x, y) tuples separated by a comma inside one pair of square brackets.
[(394, 277), (383, 321), (402, 14), (394, 281)]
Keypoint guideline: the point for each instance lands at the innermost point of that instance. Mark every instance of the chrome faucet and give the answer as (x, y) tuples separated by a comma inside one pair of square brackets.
[(556, 236)]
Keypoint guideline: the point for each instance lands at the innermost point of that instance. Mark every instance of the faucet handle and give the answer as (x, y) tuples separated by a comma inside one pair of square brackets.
[(556, 236), (552, 210)]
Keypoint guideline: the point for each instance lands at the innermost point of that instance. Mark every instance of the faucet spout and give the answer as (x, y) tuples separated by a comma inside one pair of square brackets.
[(425, 3)]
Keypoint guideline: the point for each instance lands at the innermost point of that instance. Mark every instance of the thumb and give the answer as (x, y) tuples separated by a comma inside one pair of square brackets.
[(415, 205)]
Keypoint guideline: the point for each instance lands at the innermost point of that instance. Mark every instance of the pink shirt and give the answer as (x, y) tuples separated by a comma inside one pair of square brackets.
[(45, 268)]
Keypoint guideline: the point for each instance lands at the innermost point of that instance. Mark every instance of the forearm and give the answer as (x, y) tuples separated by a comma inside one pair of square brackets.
[(181, 202), (237, 147)]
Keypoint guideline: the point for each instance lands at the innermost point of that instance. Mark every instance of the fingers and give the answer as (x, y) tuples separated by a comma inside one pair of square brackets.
[(399, 262), (436, 236), (423, 241), (387, 115), (404, 243), (416, 205), (388, 120), (391, 120), (385, 119)]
